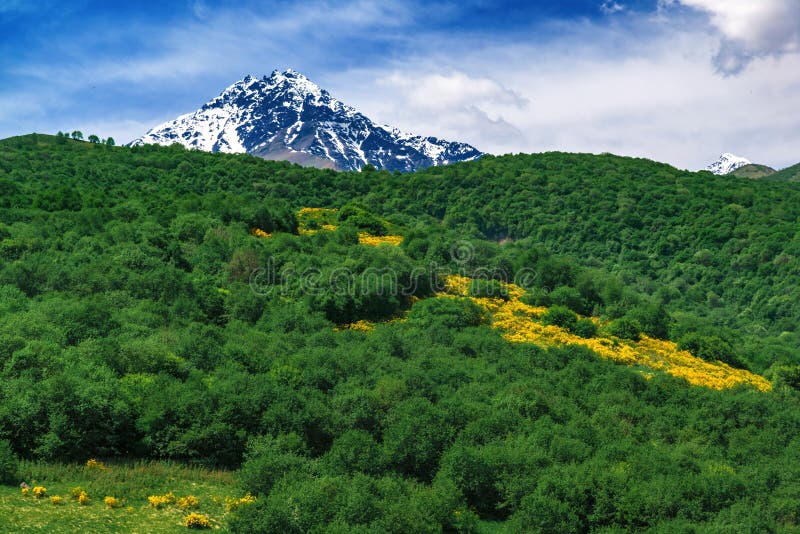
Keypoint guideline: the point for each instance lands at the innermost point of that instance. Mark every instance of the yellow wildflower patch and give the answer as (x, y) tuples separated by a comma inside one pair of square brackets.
[(190, 501), (258, 232), (365, 238), (56, 499), (195, 520), (305, 213), (83, 499), (93, 464), (232, 504), (111, 502), (360, 326), (157, 501), (519, 323), (457, 285), (320, 218), (39, 492)]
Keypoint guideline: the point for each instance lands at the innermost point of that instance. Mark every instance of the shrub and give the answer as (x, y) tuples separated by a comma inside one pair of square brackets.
[(232, 504), (626, 328), (569, 297), (710, 348), (585, 328), (92, 464), (56, 499), (448, 312), (198, 521), (112, 502), (190, 501), (83, 499), (268, 459), (560, 316), (355, 450), (39, 492), (8, 463), (157, 501), (536, 296), (481, 288)]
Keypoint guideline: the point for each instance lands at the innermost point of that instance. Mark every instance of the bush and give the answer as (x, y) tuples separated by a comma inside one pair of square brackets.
[(481, 288), (268, 459), (585, 328), (536, 297), (625, 328), (710, 348), (449, 312), (569, 297), (8, 463), (561, 316)]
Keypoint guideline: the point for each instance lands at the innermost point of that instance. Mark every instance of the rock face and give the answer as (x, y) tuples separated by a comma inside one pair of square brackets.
[(287, 117), (727, 163)]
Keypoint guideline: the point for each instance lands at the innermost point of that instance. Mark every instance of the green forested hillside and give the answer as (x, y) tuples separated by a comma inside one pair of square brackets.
[(142, 315), (753, 170), (789, 174)]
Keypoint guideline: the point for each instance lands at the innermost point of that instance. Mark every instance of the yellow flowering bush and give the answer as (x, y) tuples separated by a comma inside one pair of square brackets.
[(313, 220), (195, 520), (157, 501), (232, 504), (365, 238), (56, 499), (83, 499), (258, 232), (519, 324), (360, 326), (39, 491), (190, 501), (112, 502), (93, 464), (76, 492), (25, 490)]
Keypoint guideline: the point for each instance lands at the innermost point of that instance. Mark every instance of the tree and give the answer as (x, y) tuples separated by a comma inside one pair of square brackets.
[(110, 141), (77, 135), (94, 139)]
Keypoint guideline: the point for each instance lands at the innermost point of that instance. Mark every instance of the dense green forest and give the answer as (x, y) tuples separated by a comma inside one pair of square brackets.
[(141, 318)]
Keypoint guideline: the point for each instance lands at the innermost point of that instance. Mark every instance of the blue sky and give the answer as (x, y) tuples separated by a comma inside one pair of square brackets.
[(674, 80)]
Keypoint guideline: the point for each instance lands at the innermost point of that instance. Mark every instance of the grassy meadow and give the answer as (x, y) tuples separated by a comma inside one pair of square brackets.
[(130, 483)]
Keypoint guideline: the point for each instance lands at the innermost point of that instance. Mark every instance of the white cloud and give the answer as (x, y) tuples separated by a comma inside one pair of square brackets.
[(638, 85), (750, 29), (649, 94), (609, 7)]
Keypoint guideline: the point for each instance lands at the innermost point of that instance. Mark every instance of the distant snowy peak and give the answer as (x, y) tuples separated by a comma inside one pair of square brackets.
[(286, 116), (727, 163)]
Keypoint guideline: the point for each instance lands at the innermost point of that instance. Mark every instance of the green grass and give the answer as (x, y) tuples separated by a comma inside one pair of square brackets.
[(132, 483)]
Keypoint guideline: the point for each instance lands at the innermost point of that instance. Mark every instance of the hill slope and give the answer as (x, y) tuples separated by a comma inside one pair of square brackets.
[(753, 170), (161, 303), (789, 174)]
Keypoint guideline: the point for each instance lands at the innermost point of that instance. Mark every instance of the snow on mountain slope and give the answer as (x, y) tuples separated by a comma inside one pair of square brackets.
[(286, 116), (727, 163)]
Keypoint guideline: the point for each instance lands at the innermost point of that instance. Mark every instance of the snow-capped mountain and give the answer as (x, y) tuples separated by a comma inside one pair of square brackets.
[(727, 163), (287, 117)]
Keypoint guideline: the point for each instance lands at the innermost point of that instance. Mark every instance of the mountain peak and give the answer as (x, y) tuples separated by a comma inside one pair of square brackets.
[(727, 163), (286, 116)]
